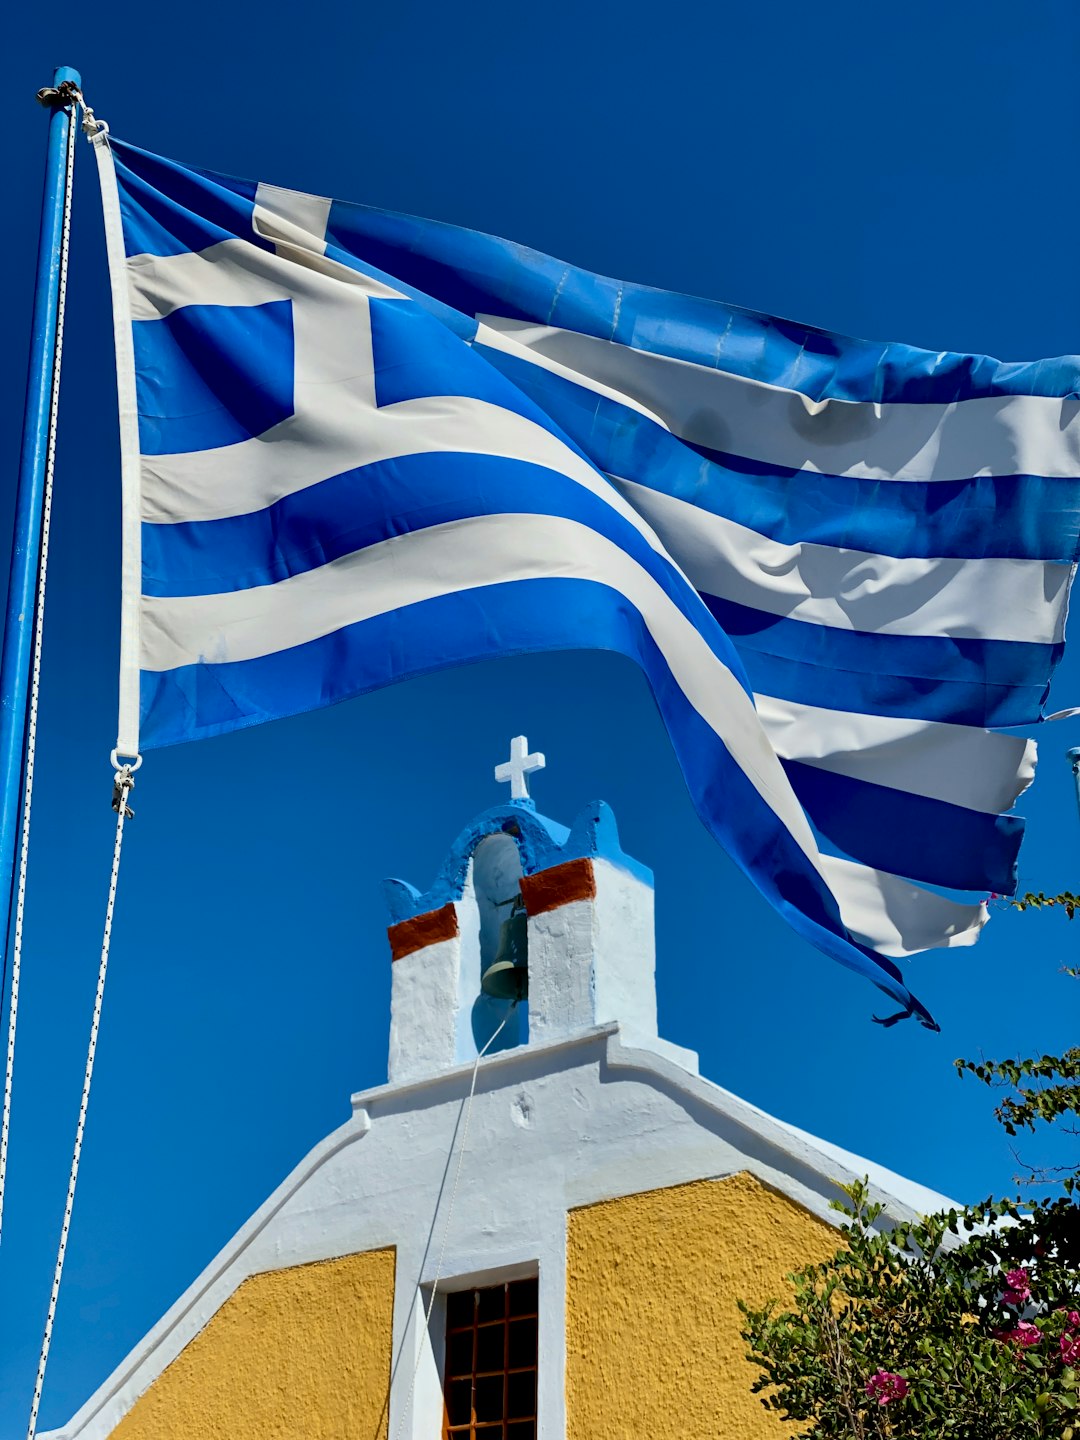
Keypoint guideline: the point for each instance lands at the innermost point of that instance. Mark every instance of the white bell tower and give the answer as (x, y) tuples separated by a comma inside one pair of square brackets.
[(588, 930)]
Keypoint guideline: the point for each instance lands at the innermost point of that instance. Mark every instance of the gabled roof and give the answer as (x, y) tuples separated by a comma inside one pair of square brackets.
[(589, 1118)]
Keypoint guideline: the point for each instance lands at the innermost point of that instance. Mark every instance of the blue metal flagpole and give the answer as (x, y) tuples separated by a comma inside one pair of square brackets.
[(29, 496)]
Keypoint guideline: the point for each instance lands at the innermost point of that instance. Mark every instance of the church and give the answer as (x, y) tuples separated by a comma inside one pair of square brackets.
[(540, 1225)]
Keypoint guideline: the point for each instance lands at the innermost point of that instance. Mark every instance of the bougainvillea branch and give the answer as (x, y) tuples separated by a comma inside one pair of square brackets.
[(964, 1326)]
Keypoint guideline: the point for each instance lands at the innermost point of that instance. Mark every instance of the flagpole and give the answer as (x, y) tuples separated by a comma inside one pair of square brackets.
[(30, 492)]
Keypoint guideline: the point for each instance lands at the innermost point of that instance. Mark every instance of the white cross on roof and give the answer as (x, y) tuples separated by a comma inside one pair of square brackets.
[(520, 764)]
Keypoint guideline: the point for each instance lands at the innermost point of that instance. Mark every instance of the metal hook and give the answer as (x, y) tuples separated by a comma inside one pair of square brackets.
[(123, 783), (55, 96)]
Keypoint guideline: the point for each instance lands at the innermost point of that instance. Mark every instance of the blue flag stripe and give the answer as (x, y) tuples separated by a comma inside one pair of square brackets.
[(1021, 516), (526, 616), (471, 272), (347, 512), (466, 270), (306, 530), (198, 382), (923, 839), (966, 682), (169, 209)]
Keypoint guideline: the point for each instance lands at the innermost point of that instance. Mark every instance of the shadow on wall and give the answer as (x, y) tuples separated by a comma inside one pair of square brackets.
[(496, 876)]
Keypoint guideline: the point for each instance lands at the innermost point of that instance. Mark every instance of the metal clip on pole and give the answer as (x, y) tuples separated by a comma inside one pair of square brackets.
[(123, 784), (55, 97)]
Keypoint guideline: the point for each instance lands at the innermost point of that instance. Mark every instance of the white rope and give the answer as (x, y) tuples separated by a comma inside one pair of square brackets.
[(122, 785), (449, 1215), (35, 681)]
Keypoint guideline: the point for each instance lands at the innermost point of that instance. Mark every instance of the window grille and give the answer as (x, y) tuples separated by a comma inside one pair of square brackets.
[(491, 1354)]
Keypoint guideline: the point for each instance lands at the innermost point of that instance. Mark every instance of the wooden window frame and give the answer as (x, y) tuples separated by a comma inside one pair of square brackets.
[(519, 1427)]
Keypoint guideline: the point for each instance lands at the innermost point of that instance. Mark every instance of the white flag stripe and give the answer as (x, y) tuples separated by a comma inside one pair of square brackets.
[(895, 917), (487, 550), (235, 272), (505, 341), (437, 560), (1001, 599), (336, 425), (127, 740), (997, 435), (444, 560), (324, 438), (291, 217), (984, 599), (960, 764), (160, 284)]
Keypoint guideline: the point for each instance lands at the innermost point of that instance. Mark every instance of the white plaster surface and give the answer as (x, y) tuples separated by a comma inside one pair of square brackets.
[(424, 1010), (593, 962), (624, 959), (561, 995), (552, 1127)]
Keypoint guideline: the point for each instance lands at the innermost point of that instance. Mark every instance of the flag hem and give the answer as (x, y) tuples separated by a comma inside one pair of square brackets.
[(127, 738)]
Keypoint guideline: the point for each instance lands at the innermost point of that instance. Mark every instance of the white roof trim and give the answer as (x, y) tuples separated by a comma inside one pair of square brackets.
[(783, 1156)]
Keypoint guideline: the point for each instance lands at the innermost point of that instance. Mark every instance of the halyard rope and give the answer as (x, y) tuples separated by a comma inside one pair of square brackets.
[(449, 1215), (122, 786), (35, 682)]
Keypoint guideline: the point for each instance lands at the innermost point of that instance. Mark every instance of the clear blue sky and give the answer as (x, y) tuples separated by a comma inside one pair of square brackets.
[(898, 172)]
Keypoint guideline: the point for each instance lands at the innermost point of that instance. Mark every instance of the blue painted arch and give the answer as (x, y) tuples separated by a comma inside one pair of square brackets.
[(542, 843)]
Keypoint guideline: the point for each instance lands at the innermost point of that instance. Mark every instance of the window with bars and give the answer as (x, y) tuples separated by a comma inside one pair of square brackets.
[(491, 1353)]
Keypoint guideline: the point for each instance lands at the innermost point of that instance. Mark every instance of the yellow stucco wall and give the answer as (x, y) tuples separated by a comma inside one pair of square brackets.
[(298, 1354), (652, 1341)]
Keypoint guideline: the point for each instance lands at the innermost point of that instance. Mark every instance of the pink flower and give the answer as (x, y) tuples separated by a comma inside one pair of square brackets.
[(883, 1386), (1019, 1283), (1070, 1349), (1024, 1334), (1073, 1319)]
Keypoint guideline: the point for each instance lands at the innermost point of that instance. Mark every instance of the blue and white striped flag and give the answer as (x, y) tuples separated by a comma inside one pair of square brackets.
[(358, 446)]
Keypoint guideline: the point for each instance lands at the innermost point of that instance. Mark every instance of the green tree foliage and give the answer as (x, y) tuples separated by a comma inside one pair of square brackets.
[(936, 1329), (1046, 1089), (964, 1326), (1038, 901)]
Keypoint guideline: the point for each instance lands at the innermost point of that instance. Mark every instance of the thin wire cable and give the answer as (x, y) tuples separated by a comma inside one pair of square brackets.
[(35, 673), (124, 782), (449, 1215)]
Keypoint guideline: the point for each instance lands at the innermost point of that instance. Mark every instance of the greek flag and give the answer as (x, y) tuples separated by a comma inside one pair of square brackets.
[(358, 446)]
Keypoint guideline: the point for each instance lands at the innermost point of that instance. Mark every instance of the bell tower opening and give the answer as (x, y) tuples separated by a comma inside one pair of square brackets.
[(504, 945)]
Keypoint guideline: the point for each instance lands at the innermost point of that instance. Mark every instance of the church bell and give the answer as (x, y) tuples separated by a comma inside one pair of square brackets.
[(507, 977)]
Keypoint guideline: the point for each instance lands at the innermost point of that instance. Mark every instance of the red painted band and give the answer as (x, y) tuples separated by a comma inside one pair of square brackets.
[(573, 880), (409, 936)]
